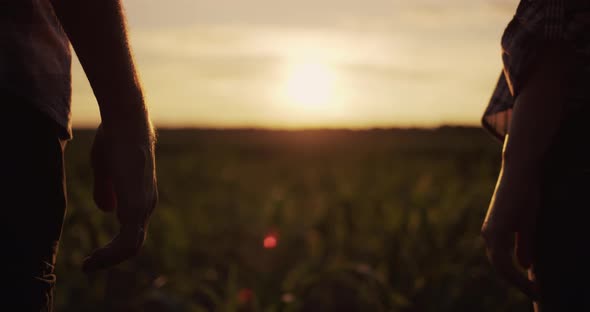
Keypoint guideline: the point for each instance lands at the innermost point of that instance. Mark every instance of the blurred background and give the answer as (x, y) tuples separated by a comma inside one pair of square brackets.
[(313, 156)]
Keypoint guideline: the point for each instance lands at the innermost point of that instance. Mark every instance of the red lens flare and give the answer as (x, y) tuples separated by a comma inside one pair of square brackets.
[(270, 241)]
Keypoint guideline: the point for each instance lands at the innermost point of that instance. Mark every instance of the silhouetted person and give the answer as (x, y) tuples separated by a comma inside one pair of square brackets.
[(35, 88), (539, 212)]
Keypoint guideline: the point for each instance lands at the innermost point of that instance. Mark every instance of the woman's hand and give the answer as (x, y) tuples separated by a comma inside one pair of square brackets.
[(509, 227)]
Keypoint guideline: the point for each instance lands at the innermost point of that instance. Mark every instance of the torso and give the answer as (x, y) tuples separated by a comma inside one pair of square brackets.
[(35, 58)]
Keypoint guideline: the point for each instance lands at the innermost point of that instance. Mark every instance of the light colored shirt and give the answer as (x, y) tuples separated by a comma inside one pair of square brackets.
[(35, 60)]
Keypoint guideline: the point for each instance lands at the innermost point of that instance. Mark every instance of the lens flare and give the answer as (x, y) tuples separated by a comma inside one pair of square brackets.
[(270, 241)]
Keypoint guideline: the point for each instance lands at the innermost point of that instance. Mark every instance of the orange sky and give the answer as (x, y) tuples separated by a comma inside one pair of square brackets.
[(334, 63)]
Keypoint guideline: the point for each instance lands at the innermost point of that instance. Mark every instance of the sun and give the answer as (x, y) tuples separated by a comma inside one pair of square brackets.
[(309, 84)]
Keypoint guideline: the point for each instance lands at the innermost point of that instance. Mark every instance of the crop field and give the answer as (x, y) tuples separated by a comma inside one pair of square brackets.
[(317, 220)]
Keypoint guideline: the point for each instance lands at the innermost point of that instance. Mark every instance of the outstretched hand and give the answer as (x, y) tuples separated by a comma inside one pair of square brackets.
[(124, 183)]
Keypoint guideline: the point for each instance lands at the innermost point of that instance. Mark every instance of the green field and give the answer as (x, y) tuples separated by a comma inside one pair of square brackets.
[(381, 220)]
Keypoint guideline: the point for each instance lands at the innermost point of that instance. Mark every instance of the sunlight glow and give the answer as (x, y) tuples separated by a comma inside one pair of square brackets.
[(309, 84)]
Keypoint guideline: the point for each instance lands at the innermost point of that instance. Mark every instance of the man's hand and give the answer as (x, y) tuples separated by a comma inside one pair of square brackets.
[(124, 182), (123, 151)]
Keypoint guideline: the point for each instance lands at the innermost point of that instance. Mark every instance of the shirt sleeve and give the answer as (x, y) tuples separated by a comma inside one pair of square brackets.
[(547, 22), (496, 118), (554, 19)]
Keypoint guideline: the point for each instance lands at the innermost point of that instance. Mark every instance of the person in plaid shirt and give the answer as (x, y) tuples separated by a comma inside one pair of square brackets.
[(538, 211)]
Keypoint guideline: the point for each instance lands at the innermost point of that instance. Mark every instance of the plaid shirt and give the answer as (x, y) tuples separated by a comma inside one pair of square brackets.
[(535, 22)]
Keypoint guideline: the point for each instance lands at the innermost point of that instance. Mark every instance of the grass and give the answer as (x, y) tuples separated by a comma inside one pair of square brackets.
[(380, 220)]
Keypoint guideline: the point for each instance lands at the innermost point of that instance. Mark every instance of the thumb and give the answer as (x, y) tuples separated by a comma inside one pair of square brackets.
[(125, 245)]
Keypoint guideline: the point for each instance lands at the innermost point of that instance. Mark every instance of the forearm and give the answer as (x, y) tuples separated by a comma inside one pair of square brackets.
[(98, 34), (536, 119)]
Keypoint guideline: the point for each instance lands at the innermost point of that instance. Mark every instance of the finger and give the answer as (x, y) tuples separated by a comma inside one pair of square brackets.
[(532, 277), (525, 237), (503, 263), (124, 246), (524, 249)]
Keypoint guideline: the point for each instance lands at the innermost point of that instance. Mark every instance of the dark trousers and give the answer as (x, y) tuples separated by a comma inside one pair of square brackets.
[(562, 259), (33, 205), (562, 268)]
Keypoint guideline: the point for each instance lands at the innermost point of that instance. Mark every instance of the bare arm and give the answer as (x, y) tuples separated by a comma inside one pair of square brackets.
[(123, 151), (97, 31), (537, 116)]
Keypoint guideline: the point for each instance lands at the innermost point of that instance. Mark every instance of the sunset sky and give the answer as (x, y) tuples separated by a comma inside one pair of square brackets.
[(312, 63)]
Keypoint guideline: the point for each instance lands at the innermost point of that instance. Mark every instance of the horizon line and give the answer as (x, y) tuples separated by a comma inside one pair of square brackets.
[(302, 129)]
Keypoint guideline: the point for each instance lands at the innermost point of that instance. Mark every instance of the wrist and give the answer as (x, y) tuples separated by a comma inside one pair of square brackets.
[(135, 129), (125, 109)]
